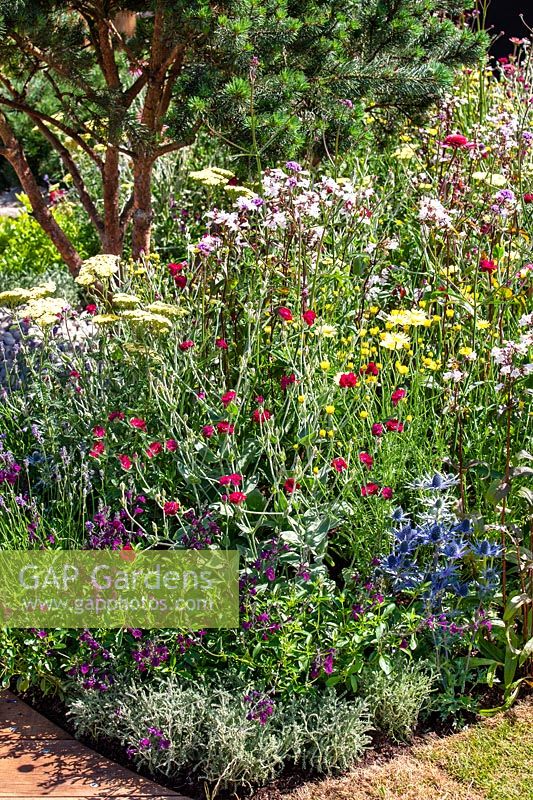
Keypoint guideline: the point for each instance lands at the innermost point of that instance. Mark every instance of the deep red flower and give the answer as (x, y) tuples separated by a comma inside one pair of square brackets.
[(208, 431), (369, 489), (137, 422), (286, 381), (309, 316), (377, 429), (339, 464), (171, 508), (228, 398), (528, 197), (290, 485), (125, 462), (74, 374), (98, 432), (175, 268), (236, 498), (171, 445), (366, 459), (225, 427), (154, 449), (221, 344), (370, 369), (234, 479), (91, 308), (116, 415), (455, 140), (386, 493), (97, 450), (186, 345), (261, 415), (397, 395), (285, 314), (180, 281), (394, 425), (486, 265), (347, 380)]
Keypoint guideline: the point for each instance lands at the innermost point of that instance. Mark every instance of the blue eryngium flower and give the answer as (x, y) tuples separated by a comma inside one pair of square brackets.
[(486, 549), (436, 482)]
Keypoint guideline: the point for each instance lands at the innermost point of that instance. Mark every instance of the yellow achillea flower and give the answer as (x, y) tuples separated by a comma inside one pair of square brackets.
[(44, 311), (211, 176), (166, 309), (105, 319), (123, 300), (97, 268), (147, 319)]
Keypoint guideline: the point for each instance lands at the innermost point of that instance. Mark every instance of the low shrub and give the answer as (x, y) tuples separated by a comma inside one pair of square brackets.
[(397, 699)]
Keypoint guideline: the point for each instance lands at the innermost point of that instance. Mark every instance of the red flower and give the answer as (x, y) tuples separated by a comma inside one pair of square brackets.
[(171, 508), (154, 449), (234, 479), (186, 345), (224, 427), (74, 373), (339, 464), (370, 369), (208, 431), (397, 395), (171, 445), (528, 197), (97, 450), (98, 432), (91, 308), (261, 415), (369, 489), (221, 344), (485, 265), (125, 462), (180, 281), (455, 140), (309, 316), (290, 485), (175, 268), (236, 497), (286, 381), (386, 493), (366, 459), (228, 398), (377, 429), (394, 425), (285, 313), (347, 380), (137, 422), (116, 415)]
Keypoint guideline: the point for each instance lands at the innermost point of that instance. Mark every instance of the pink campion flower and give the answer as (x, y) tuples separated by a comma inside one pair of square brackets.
[(175, 268), (377, 429), (309, 316), (348, 380), (125, 462), (98, 432), (221, 344), (171, 508), (290, 485), (225, 427), (386, 493), (97, 450), (137, 422), (455, 140), (366, 459), (74, 374), (228, 398), (528, 197), (233, 479), (339, 464), (208, 431), (487, 265), (285, 314), (369, 489), (236, 498), (261, 415), (186, 345), (397, 395), (154, 449), (394, 425), (370, 369), (260, 399), (116, 415), (171, 445), (92, 308), (286, 381)]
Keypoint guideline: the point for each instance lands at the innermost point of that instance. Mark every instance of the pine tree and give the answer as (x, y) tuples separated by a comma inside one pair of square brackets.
[(138, 80)]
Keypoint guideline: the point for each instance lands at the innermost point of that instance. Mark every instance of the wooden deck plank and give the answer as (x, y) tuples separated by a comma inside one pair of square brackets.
[(39, 760)]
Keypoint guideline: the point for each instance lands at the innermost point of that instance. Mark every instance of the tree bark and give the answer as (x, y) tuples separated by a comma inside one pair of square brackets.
[(142, 205), (112, 238), (14, 153)]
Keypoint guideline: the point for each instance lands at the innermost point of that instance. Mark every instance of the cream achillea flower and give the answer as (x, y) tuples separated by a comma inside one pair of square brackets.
[(166, 309), (19, 296), (105, 319), (394, 341), (211, 176), (97, 268), (123, 300), (156, 323), (44, 311)]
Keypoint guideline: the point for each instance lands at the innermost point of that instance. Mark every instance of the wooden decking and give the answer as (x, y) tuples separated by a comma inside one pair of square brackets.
[(39, 760)]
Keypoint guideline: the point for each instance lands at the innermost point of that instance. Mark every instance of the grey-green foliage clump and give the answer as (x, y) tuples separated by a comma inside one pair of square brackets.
[(211, 733), (396, 700)]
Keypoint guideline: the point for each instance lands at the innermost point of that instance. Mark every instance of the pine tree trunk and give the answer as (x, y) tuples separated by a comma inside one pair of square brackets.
[(112, 238), (142, 205)]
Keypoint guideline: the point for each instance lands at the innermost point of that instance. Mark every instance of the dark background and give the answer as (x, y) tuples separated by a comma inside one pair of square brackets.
[(504, 15)]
